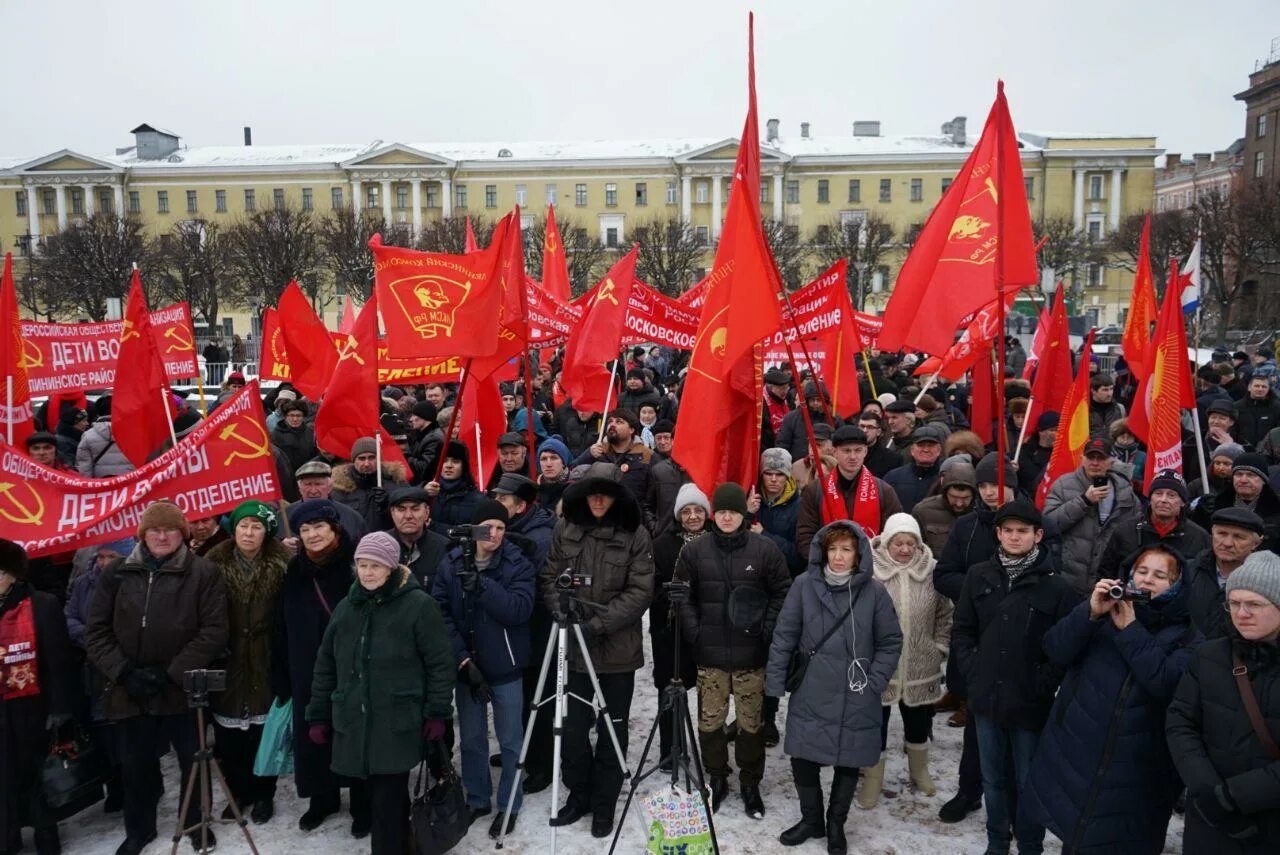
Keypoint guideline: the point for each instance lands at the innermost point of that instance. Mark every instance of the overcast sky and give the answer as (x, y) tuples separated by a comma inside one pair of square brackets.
[(80, 75)]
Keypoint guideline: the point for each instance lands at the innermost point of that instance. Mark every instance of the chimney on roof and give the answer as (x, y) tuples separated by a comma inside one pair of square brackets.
[(1172, 159), (771, 135), (1202, 160), (866, 129), (956, 130), (152, 143), (248, 135), (804, 130)]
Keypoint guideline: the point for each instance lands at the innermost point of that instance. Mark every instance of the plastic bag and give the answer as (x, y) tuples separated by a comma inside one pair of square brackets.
[(275, 751), (676, 822)]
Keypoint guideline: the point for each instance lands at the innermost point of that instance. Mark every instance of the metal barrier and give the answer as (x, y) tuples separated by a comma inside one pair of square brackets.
[(215, 373)]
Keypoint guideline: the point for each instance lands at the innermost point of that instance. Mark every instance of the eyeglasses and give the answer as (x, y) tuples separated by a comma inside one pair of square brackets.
[(1248, 608)]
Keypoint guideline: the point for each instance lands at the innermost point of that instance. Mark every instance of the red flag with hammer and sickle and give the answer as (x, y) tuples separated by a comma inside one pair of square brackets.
[(597, 338), (141, 410), (15, 396), (312, 356), (555, 265)]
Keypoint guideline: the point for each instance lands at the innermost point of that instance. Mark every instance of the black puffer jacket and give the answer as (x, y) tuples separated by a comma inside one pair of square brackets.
[(997, 640), (666, 477), (1255, 419), (423, 453), (716, 565), (1212, 743)]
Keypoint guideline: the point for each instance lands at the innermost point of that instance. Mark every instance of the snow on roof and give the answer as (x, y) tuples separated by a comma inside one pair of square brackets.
[(576, 150), (11, 162), (251, 155), (828, 146)]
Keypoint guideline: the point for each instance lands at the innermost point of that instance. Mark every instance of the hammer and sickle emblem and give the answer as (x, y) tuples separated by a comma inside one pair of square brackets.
[(32, 356), (257, 448), (988, 186), (15, 510), (606, 292), (128, 332), (350, 349), (181, 342), (551, 245)]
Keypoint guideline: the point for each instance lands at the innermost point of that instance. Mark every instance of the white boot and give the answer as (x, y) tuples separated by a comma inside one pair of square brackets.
[(918, 767), (870, 785)]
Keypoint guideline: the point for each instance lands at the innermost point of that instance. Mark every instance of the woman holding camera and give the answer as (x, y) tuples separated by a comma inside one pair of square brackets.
[(1102, 780), (384, 677), (252, 565), (843, 620), (1224, 721)]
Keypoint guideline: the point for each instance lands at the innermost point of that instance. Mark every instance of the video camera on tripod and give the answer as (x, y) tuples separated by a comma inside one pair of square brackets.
[(465, 538)]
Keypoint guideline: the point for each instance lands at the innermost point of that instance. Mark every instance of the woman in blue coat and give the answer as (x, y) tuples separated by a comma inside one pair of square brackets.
[(1103, 780)]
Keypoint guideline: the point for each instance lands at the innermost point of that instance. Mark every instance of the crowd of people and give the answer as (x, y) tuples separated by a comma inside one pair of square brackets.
[(1111, 657)]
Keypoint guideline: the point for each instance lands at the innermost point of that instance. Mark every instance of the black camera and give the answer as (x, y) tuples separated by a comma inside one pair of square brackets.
[(568, 580), (1101, 481), (470, 532), (1133, 595), (203, 681)]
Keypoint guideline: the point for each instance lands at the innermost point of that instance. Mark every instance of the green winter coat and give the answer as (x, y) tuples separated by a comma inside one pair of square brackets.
[(385, 665)]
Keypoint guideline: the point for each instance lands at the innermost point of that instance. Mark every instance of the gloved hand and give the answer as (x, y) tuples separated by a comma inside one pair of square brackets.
[(433, 729), (56, 721), (678, 594), (319, 733), (470, 581), (480, 691), (379, 497), (143, 683), (1216, 805)]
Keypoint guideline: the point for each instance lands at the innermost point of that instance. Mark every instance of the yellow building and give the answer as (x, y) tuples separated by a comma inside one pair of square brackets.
[(609, 186)]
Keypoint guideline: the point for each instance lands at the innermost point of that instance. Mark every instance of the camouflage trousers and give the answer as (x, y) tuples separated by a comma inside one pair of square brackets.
[(715, 688)]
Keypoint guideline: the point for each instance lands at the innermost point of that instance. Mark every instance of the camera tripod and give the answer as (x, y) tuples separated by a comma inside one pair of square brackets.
[(204, 766), (567, 619), (684, 743)]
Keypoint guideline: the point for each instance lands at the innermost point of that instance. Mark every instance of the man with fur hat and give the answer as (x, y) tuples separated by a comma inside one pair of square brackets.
[(1165, 522), (738, 580), (849, 491), (622, 447), (601, 535), (355, 484), (914, 480), (793, 433), (155, 615), (1249, 489)]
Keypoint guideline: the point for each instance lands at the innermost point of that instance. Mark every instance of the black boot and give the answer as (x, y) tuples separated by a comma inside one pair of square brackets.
[(574, 809), (811, 822), (958, 807), (842, 789), (719, 789), (320, 809), (47, 842), (115, 793), (752, 803)]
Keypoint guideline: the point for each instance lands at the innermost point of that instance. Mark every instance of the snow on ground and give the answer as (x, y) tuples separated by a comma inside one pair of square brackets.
[(906, 825)]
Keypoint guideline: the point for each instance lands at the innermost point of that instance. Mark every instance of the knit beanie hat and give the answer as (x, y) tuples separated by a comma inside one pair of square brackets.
[(729, 497), (1252, 462), (628, 416), (260, 511), (775, 460), (1170, 479), (490, 509), (555, 445), (689, 494), (162, 515), (986, 473), (1230, 450), (1259, 573), (425, 410), (13, 559), (379, 547), (363, 445), (900, 524)]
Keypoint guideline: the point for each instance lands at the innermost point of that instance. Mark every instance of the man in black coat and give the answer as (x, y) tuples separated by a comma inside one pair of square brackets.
[(1036, 450), (1259, 412), (779, 401), (1249, 489), (1164, 522), (880, 458), (421, 549), (793, 435), (1006, 606), (577, 428), (913, 481), (1235, 534), (738, 581)]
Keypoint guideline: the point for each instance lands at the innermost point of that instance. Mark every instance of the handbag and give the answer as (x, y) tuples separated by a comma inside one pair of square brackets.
[(675, 820), (439, 816), (73, 772), (1241, 673), (798, 664), (275, 748)]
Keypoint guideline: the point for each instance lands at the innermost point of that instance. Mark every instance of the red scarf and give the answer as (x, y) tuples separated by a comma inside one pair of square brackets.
[(19, 677), (866, 501), (777, 411), (1163, 530)]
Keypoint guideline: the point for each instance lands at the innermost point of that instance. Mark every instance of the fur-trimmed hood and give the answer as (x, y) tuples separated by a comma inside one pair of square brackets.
[(347, 480)]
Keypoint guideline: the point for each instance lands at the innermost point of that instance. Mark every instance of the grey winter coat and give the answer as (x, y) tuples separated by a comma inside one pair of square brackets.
[(827, 722), (1084, 538), (98, 456)]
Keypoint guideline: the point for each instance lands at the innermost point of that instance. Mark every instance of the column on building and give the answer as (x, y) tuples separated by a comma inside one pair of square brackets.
[(60, 200), (386, 199), (90, 203), (1077, 205), (416, 190), (446, 197), (715, 207), (117, 193), (357, 202), (777, 197), (686, 198), (1116, 175), (33, 213)]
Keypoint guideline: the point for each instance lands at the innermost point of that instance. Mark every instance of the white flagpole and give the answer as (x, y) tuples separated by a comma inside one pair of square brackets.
[(164, 404), (928, 384), (1022, 433), (608, 399)]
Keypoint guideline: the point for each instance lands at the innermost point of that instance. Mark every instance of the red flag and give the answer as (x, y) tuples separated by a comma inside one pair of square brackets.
[(951, 270), (555, 265), (471, 245), (975, 342), (481, 407), (724, 380), (597, 338), (352, 405), (1167, 389), (312, 356), (1038, 341), (140, 407), (1073, 430), (513, 323), (1053, 378), (1136, 340), (15, 395), (348, 322), (982, 398)]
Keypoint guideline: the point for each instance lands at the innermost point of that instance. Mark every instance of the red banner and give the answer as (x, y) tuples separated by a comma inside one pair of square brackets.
[(655, 317), (550, 320), (224, 461), (63, 357)]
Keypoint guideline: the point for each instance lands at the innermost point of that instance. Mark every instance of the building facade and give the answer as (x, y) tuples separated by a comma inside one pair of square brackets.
[(1262, 112), (809, 181), (1181, 182)]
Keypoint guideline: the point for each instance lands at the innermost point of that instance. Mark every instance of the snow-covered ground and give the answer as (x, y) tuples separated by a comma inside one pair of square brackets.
[(905, 825)]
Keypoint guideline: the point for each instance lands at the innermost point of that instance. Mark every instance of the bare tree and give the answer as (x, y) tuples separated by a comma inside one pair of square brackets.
[(1172, 234), (345, 241), (670, 254), (790, 252), (449, 234), (35, 295), (90, 263), (193, 262), (1065, 251), (1239, 245), (863, 244), (269, 248), (583, 254)]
